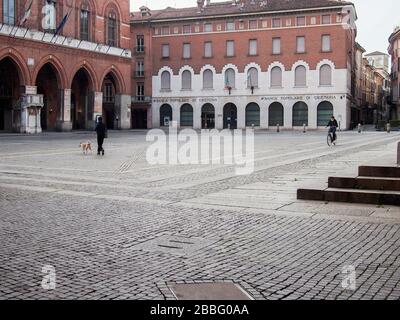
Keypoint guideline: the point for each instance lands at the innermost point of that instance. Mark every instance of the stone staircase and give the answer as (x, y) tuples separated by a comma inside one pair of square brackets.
[(374, 185)]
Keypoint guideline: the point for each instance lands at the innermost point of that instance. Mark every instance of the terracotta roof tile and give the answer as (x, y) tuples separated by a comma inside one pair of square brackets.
[(244, 6)]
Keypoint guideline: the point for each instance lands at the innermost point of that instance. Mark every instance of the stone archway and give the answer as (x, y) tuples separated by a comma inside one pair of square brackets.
[(48, 85), (230, 116), (82, 100)]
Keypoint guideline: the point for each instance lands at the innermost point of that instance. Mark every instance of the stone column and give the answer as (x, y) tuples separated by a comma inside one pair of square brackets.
[(123, 111), (94, 109), (197, 115), (64, 122)]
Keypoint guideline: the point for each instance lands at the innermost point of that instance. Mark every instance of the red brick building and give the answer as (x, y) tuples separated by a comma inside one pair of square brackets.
[(394, 51), (64, 81), (246, 63)]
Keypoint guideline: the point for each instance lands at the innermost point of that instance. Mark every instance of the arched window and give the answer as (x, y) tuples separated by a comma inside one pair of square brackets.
[(276, 77), (275, 114), (186, 115), (165, 80), (85, 21), (325, 75), (300, 114), (300, 75), (165, 115), (252, 78), (112, 29), (324, 113), (186, 80), (208, 81), (230, 78), (252, 115)]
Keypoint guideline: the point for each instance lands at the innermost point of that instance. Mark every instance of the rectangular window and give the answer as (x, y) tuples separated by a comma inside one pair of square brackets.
[(140, 91), (208, 27), (276, 23), (139, 68), (230, 26), (165, 30), (230, 48), (253, 47), (326, 19), (301, 21), (108, 93), (326, 43), (139, 43), (186, 51), (301, 44), (9, 12), (253, 24), (208, 49), (276, 46), (165, 50), (187, 28), (241, 25), (84, 25), (50, 14)]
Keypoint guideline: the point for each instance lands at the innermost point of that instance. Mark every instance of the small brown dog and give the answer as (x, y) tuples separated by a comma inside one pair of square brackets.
[(86, 147)]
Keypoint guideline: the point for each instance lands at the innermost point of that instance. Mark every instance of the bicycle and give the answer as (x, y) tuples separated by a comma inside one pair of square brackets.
[(330, 139)]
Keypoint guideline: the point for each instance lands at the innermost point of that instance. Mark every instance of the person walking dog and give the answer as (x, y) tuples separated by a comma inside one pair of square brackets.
[(101, 131)]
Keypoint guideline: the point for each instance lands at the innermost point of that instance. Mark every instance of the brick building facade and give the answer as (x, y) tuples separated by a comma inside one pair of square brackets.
[(248, 63), (64, 81), (394, 51)]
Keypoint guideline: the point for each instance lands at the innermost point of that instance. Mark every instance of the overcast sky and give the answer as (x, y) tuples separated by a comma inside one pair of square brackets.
[(376, 18)]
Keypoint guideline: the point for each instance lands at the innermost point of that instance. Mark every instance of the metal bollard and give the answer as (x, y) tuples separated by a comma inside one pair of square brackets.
[(304, 128), (388, 127), (278, 128), (359, 128)]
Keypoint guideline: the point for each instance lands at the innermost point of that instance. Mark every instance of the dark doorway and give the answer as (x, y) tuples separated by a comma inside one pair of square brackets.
[(47, 85), (208, 116), (109, 92), (9, 94), (230, 116), (165, 115), (81, 112), (139, 119)]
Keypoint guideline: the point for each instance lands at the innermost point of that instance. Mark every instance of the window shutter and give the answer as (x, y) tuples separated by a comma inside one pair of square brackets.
[(300, 76), (165, 51), (301, 44), (208, 49), (325, 75), (186, 50), (230, 48), (230, 78), (276, 77), (276, 46), (186, 80), (326, 43), (252, 76), (165, 81), (208, 79), (253, 47)]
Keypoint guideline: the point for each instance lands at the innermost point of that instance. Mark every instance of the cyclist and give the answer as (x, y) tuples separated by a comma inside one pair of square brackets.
[(333, 125)]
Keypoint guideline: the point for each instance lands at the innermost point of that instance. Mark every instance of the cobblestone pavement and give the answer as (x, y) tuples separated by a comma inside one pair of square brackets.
[(115, 227)]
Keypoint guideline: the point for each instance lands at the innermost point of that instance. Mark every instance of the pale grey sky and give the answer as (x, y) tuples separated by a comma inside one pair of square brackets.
[(376, 18)]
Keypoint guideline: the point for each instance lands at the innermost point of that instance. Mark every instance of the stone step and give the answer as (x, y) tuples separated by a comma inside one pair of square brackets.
[(365, 183), (377, 197), (376, 171)]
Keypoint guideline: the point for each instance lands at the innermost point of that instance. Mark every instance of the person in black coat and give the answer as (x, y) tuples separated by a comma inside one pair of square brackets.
[(333, 125), (101, 131)]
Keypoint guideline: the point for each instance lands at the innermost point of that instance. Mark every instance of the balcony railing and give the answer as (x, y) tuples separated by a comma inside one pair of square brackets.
[(141, 99), (139, 74), (139, 49)]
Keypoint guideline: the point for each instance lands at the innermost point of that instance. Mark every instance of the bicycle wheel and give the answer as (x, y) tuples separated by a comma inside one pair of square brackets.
[(329, 140)]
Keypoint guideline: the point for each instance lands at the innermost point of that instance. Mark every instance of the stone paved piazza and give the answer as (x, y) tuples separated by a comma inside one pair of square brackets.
[(106, 224)]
